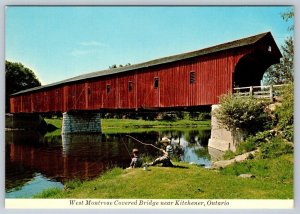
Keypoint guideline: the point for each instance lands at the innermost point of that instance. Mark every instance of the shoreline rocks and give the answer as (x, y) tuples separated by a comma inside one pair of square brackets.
[(239, 158)]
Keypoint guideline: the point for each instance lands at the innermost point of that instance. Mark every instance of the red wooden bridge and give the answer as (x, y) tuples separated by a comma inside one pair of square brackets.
[(181, 81)]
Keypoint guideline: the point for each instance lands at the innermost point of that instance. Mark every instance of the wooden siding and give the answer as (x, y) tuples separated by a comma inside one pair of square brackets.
[(213, 76)]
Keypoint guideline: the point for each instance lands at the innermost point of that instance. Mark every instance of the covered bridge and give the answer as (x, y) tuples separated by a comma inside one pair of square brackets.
[(182, 81)]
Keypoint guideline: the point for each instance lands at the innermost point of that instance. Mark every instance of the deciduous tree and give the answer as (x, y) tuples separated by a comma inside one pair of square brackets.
[(284, 71), (18, 78)]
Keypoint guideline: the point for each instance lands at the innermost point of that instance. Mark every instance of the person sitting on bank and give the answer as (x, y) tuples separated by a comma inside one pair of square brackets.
[(169, 148), (136, 161), (165, 160)]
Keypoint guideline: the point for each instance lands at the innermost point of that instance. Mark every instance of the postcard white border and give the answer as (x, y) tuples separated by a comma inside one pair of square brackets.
[(147, 204), (263, 206)]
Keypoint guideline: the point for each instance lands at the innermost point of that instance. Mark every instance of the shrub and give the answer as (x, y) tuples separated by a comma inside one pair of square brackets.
[(199, 116), (228, 155), (274, 148), (254, 141), (246, 146), (288, 133), (285, 113), (242, 113)]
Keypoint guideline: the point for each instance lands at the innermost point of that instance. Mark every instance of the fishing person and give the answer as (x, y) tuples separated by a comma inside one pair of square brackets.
[(164, 159), (169, 148), (136, 161)]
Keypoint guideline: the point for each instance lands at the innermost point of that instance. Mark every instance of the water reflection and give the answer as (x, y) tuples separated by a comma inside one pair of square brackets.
[(31, 157)]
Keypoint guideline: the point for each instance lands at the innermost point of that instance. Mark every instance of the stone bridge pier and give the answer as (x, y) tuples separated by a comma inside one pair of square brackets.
[(81, 122)]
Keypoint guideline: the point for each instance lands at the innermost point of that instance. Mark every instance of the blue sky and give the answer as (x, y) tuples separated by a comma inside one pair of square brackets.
[(65, 41)]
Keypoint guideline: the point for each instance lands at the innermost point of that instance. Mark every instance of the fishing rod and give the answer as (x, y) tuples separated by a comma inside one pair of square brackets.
[(125, 146), (147, 144)]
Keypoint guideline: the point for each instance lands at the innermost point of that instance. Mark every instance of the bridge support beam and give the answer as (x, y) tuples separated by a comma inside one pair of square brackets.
[(81, 122), (220, 138)]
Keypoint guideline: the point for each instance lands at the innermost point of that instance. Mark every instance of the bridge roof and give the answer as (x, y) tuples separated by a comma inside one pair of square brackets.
[(213, 49)]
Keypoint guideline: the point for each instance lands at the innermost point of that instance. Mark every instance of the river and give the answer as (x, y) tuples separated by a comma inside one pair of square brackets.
[(35, 162)]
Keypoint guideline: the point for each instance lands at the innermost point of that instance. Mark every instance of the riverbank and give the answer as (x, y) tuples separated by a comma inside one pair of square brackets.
[(110, 126), (273, 180), (272, 177)]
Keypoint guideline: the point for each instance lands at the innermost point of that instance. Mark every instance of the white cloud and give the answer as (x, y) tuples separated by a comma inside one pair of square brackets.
[(93, 43), (87, 47)]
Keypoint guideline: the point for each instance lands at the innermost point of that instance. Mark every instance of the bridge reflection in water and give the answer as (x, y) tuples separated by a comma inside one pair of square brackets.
[(77, 156), (63, 157)]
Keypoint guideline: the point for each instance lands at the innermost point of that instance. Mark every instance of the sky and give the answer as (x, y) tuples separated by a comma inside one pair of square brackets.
[(60, 42)]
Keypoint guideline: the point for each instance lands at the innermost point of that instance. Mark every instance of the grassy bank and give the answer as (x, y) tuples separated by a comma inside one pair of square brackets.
[(274, 180), (129, 125), (110, 126), (111, 123)]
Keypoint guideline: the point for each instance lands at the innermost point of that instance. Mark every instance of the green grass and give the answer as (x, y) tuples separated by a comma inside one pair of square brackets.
[(54, 121), (274, 180), (112, 126), (107, 123)]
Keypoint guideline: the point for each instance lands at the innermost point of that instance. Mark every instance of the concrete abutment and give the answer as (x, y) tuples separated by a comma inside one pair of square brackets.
[(220, 138), (81, 122)]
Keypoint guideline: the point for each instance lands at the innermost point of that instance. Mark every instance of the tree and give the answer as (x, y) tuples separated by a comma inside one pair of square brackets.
[(120, 66), (18, 78), (284, 71)]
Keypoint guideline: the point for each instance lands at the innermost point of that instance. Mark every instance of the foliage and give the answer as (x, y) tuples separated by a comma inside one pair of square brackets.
[(229, 155), (199, 116), (254, 141), (284, 71), (288, 133), (285, 113), (242, 113), (18, 78), (275, 148), (120, 66), (288, 15), (246, 146), (203, 114)]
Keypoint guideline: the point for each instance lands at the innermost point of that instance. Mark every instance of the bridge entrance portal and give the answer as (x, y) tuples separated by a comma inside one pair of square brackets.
[(250, 69)]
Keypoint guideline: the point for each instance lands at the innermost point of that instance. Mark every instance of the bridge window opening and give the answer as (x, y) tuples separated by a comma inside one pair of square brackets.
[(156, 82), (107, 89), (89, 91), (269, 48), (130, 86), (192, 77)]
